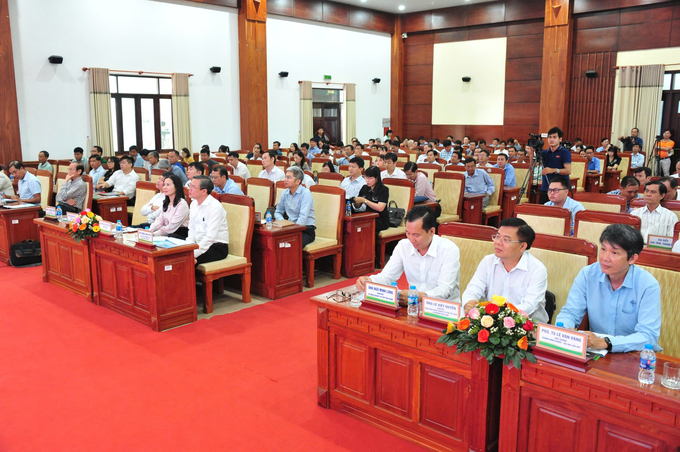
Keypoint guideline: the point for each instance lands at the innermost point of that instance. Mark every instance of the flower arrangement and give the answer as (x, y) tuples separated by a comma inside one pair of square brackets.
[(497, 329), (86, 225)]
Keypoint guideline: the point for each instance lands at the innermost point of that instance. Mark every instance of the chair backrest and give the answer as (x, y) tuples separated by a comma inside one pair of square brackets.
[(456, 168), (262, 192), (624, 166), (473, 241), (55, 164), (344, 170), (498, 177), (282, 166), (156, 174), (61, 178), (62, 166), (449, 188), (329, 210), (601, 202), (145, 191), (87, 204), (142, 173), (665, 267), (403, 157), (563, 257), (521, 170), (254, 167), (280, 188), (589, 224), (331, 179), (429, 169), (402, 191), (579, 168), (240, 220), (545, 219), (46, 186), (317, 164)]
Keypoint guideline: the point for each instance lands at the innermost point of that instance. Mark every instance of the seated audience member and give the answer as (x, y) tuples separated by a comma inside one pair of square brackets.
[(472, 147), (613, 160), (655, 219), (457, 157), (137, 159), (502, 163), (206, 160), (623, 301), (348, 154), (604, 145), (522, 156), (314, 149), (123, 181), (512, 154), (447, 151), (482, 144), (642, 174), (28, 186), (373, 197), (328, 167), (112, 165), (663, 151), (391, 170), (422, 158), (637, 159), (222, 183), (484, 159), (256, 153), (352, 184), (71, 197), (430, 262), (43, 163), (176, 167), (271, 171), (194, 169), (511, 272), (145, 156), (78, 156), (320, 135), (6, 187), (632, 140), (97, 150), (582, 153), (380, 162), (298, 204), (172, 218), (325, 152), (276, 146), (593, 163), (187, 157), (207, 148), (239, 168), (300, 161), (153, 161), (558, 193), (630, 189), (208, 226), (223, 149), (671, 184), (432, 156), (151, 209), (424, 191), (478, 181), (676, 174), (359, 150), (96, 169), (577, 142)]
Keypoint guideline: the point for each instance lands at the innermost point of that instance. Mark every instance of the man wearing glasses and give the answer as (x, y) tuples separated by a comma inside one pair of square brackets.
[(558, 192), (511, 272)]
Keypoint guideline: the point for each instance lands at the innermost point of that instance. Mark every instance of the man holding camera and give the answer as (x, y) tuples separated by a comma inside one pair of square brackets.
[(556, 161)]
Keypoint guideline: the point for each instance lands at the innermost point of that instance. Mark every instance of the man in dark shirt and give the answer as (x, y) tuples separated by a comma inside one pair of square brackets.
[(206, 160), (629, 141), (556, 161)]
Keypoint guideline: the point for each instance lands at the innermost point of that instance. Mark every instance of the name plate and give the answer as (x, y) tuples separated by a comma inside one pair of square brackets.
[(561, 341), (660, 242), (51, 212), (443, 311), (145, 236), (106, 227), (380, 295), (71, 217)]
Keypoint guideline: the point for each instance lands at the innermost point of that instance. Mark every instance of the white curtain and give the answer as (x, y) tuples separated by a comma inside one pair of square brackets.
[(181, 113), (351, 110), (637, 103), (306, 113), (100, 110)]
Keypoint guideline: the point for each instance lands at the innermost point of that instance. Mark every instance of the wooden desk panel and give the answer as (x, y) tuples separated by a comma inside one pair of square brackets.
[(111, 208), (510, 199), (16, 225), (393, 375), (277, 261), (472, 208), (612, 180), (358, 255)]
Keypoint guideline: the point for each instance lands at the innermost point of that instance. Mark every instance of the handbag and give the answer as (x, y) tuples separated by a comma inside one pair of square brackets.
[(25, 253), (396, 214)]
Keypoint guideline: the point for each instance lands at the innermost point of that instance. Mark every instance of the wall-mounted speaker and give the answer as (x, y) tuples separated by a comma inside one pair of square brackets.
[(591, 74), (55, 59), (283, 74), (215, 69), (467, 79), (376, 80)]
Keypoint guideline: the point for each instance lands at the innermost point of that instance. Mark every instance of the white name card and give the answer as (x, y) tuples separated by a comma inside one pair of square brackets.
[(660, 242), (562, 341), (106, 227), (382, 295), (145, 236), (50, 212), (443, 311), (71, 217)]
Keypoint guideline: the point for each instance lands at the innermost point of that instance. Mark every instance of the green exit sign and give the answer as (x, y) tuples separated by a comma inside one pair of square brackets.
[(326, 77)]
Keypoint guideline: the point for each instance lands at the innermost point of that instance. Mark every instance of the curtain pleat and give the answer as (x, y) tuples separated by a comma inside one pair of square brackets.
[(306, 113), (181, 112), (351, 110), (100, 110)]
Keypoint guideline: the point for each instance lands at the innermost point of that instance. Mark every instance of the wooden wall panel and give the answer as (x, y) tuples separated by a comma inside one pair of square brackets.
[(526, 28), (498, 31), (487, 133), (228, 3), (333, 13), (590, 6), (281, 7), (419, 39), (646, 15), (596, 40), (415, 130), (418, 114), (418, 75), (644, 36), (418, 95), (9, 113), (360, 18), (521, 113), (417, 55), (420, 21), (485, 13), (598, 20), (441, 131), (309, 9), (451, 36), (525, 91), (523, 10), (447, 18), (675, 34), (523, 69), (382, 21), (524, 47)]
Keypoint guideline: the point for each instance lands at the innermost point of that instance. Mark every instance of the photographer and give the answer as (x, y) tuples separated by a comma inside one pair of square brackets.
[(663, 151), (556, 161)]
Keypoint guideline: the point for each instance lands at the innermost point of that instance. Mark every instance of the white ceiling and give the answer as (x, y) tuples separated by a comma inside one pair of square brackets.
[(392, 6)]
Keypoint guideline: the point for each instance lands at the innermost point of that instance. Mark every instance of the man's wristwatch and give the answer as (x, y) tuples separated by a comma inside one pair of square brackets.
[(609, 344), (557, 170)]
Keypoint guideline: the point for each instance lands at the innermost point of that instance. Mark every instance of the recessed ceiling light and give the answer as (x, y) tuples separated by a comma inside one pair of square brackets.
[(363, 1), (402, 7)]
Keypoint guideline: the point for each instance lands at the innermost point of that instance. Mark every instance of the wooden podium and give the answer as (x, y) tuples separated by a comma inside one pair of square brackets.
[(358, 256), (16, 225)]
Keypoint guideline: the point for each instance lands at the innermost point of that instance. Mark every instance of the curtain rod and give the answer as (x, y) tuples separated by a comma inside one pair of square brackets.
[(85, 69), (326, 82), (666, 64)]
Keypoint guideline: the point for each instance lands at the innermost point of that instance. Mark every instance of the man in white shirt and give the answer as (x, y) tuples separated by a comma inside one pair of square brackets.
[(208, 226), (655, 220), (352, 184), (511, 272), (483, 159), (271, 171), (671, 184), (391, 170), (194, 169), (430, 262), (422, 158), (96, 169), (239, 168), (124, 181)]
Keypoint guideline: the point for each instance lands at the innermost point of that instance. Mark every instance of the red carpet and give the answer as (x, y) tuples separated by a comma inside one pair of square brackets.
[(76, 376)]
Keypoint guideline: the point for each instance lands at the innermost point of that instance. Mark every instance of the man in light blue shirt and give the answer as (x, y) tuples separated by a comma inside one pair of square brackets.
[(96, 169), (447, 151), (623, 302), (637, 160), (478, 181), (223, 184), (313, 148), (139, 161), (29, 188), (352, 184), (298, 204), (558, 192), (502, 163), (593, 163)]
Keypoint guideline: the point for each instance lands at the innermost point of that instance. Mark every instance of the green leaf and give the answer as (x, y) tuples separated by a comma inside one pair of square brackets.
[(494, 340), (499, 350), (443, 339), (521, 354), (531, 358), (517, 362), (507, 360), (490, 359), (505, 341)]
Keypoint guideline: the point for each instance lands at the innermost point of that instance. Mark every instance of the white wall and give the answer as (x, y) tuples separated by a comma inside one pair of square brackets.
[(308, 52), (150, 35), (650, 56), (478, 102)]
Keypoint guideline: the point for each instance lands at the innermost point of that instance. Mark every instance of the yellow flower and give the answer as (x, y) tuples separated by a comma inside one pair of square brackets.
[(95, 228), (498, 301), (487, 321), (450, 327), (90, 214)]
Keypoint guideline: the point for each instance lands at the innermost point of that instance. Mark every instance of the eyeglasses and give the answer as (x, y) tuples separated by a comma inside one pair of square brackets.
[(504, 239), (339, 296), (556, 190)]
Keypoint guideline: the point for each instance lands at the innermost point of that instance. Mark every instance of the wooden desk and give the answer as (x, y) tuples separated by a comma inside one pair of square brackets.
[(392, 374), (64, 262), (472, 208), (548, 407), (612, 180), (358, 254), (510, 199), (277, 261), (16, 225), (593, 183), (111, 208), (152, 285)]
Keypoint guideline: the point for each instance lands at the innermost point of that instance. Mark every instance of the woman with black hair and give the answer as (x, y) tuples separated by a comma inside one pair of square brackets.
[(174, 218), (373, 197), (113, 165), (328, 167), (613, 159), (300, 160)]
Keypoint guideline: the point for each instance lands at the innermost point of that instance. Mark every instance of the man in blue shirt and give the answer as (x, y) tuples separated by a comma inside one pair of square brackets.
[(176, 167), (478, 181), (223, 184), (502, 163), (29, 188), (352, 184), (298, 204), (623, 302), (637, 159), (556, 161), (446, 152), (96, 169), (139, 161), (593, 163), (313, 149), (559, 197), (630, 141)]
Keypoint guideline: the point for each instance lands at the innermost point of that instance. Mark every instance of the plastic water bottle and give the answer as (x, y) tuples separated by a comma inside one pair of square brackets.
[(348, 209), (59, 212), (412, 303), (560, 325), (268, 220), (119, 230), (647, 365)]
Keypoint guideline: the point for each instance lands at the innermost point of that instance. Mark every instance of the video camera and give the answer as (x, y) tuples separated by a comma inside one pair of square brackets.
[(536, 142)]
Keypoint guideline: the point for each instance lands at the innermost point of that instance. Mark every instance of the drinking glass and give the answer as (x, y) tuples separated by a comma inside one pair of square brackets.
[(671, 375)]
